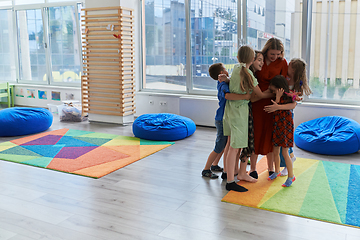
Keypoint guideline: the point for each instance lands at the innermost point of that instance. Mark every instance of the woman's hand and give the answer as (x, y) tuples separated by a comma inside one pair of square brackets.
[(271, 108)]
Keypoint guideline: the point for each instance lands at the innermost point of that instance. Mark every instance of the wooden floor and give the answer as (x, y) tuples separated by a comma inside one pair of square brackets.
[(162, 196)]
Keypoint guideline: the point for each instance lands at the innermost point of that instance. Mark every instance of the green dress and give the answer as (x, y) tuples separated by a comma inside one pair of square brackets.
[(236, 116)]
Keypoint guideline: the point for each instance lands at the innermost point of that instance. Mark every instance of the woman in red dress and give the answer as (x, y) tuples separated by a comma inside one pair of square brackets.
[(274, 64)]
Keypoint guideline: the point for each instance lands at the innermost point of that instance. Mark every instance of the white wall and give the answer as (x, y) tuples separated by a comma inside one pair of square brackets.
[(308, 111), (202, 109), (36, 102)]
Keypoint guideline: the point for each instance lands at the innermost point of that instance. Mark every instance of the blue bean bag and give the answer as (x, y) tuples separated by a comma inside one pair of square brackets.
[(19, 121), (163, 127), (332, 135)]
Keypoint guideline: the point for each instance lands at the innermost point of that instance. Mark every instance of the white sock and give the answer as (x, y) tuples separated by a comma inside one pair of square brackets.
[(284, 172)]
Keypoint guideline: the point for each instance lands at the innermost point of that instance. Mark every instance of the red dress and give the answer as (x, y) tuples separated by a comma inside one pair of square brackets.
[(263, 122), (283, 131)]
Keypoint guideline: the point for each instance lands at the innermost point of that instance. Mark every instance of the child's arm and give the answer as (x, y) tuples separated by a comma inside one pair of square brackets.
[(274, 107), (255, 97), (259, 94), (235, 96)]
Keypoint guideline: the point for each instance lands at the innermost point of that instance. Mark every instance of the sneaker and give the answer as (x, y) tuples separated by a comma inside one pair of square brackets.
[(224, 175), (288, 182), (209, 174), (216, 168), (273, 176)]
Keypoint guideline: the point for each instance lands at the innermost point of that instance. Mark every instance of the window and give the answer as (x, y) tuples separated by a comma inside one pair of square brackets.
[(214, 37), (7, 49), (53, 47), (64, 44), (275, 23), (43, 45), (165, 44), (335, 57)]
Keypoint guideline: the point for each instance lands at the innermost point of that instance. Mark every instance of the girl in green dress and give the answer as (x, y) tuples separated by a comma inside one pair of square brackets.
[(235, 121)]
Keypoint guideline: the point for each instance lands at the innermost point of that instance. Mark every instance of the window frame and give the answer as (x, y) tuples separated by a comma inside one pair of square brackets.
[(189, 90), (44, 10)]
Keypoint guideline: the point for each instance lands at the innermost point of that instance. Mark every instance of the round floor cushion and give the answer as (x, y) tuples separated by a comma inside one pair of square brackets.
[(19, 121), (163, 127), (332, 135)]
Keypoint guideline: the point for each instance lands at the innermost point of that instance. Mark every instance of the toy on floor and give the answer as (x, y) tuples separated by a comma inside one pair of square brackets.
[(71, 112)]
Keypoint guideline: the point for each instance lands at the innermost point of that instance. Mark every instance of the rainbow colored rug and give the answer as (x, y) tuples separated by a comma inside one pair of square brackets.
[(79, 152), (326, 191)]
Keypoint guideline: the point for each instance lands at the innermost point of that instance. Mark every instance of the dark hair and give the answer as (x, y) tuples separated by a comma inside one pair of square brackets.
[(280, 81), (215, 69)]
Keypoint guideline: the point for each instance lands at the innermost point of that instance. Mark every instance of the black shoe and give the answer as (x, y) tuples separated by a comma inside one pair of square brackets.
[(234, 187), (209, 174), (224, 175), (216, 168), (271, 172), (254, 174)]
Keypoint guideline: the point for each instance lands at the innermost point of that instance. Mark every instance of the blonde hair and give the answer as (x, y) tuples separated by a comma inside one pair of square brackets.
[(245, 55), (273, 44), (300, 79), (257, 53)]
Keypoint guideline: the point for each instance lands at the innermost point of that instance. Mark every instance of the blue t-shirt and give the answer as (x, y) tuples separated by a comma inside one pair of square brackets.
[(222, 88)]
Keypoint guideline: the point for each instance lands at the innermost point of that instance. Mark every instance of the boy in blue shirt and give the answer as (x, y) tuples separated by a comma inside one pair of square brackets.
[(221, 140)]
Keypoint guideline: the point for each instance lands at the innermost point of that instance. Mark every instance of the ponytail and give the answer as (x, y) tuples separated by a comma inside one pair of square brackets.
[(246, 83), (245, 56)]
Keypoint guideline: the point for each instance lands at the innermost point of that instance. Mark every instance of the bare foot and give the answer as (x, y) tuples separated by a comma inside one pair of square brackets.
[(246, 178)]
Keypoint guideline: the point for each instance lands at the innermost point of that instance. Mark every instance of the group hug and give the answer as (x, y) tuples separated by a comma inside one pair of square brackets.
[(255, 114)]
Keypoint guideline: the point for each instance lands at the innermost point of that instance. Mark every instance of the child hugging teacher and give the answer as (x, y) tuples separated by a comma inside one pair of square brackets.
[(274, 64)]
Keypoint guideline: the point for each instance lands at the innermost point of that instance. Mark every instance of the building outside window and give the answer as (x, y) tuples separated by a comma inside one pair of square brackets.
[(214, 37), (335, 51)]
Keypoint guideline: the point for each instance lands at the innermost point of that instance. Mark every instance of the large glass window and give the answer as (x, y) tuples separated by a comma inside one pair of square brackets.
[(335, 51), (50, 48), (31, 47), (214, 34), (64, 44), (270, 18), (213, 39), (165, 44), (7, 48)]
